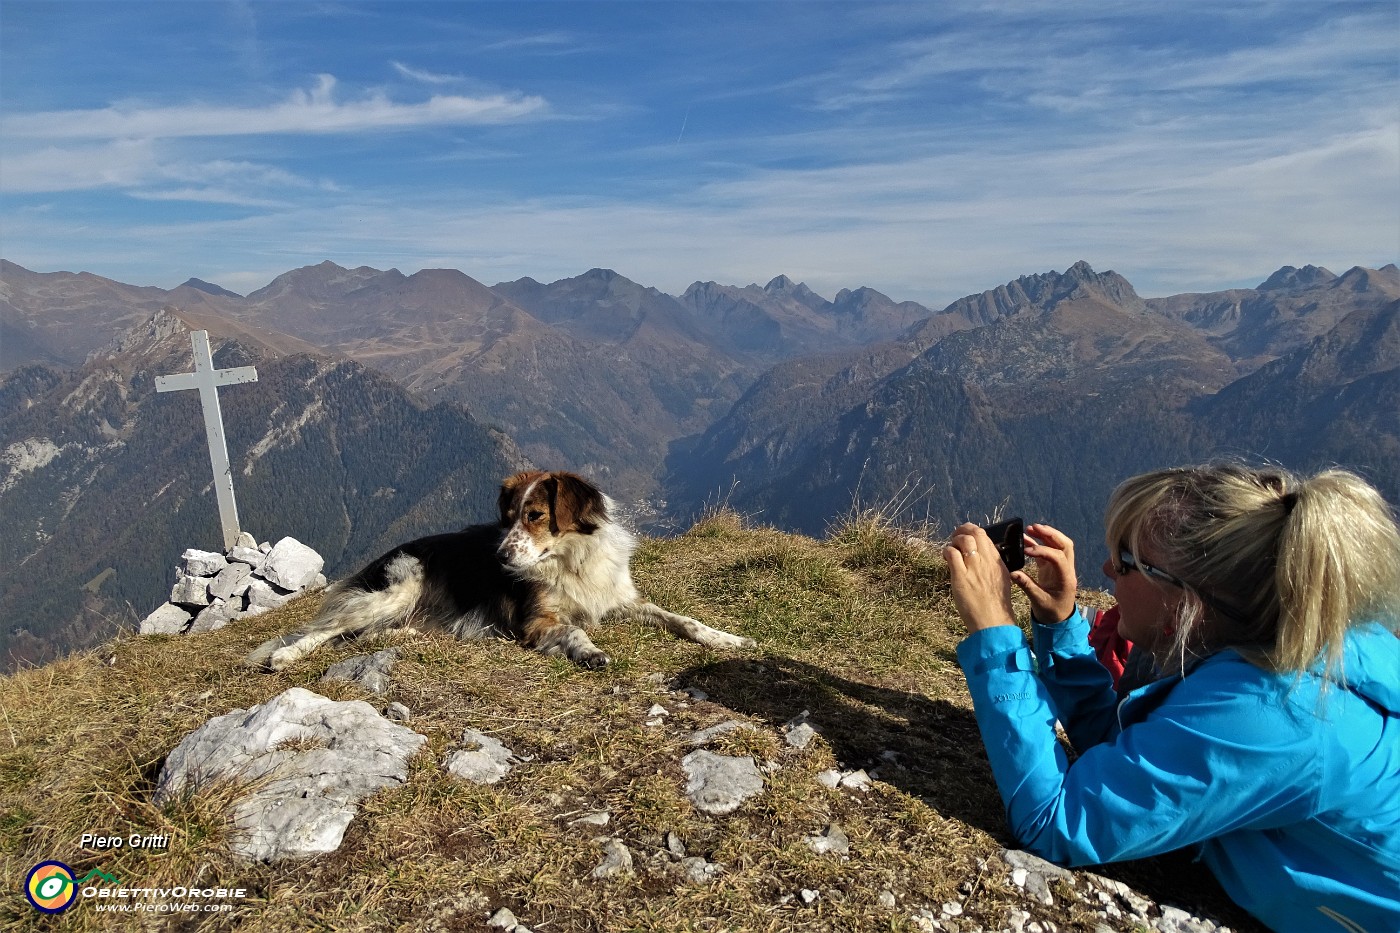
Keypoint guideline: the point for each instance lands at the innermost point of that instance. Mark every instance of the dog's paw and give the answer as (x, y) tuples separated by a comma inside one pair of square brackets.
[(283, 658), (716, 638), (594, 660), (723, 639), (262, 657)]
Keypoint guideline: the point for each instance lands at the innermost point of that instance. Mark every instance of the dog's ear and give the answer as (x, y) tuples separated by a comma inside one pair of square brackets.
[(578, 504), (509, 489)]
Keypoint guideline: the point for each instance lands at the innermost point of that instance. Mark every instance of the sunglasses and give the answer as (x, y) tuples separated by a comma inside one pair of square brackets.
[(1127, 561)]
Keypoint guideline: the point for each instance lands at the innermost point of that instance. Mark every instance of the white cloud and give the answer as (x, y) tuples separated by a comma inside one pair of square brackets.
[(427, 77), (205, 196), (302, 112), (140, 167), (542, 41), (1170, 214), (117, 164), (1059, 59)]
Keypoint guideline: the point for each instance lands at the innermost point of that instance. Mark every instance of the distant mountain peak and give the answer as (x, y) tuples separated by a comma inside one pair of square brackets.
[(857, 300), (1081, 271), (863, 293), (150, 339), (322, 281), (1046, 290), (1290, 277), (782, 285), (209, 288)]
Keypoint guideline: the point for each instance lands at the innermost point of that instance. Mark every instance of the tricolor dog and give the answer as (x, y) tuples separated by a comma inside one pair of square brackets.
[(552, 567)]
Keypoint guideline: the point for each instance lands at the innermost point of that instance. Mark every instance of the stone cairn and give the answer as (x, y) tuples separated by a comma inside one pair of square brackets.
[(213, 589)]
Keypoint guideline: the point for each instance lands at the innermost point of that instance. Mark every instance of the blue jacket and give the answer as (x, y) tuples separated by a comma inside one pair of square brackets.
[(1291, 792)]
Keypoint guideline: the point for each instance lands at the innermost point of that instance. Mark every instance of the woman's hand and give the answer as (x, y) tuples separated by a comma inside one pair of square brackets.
[(1052, 593), (980, 584)]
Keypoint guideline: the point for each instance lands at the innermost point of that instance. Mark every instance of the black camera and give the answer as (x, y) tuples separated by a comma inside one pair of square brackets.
[(1009, 538)]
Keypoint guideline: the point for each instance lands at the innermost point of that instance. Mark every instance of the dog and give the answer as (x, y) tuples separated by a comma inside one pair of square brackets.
[(554, 565)]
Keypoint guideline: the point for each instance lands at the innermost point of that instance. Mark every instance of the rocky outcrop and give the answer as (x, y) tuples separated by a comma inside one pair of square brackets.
[(213, 589), (309, 762)]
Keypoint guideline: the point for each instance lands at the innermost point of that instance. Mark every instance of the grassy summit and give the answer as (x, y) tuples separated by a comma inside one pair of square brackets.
[(858, 629)]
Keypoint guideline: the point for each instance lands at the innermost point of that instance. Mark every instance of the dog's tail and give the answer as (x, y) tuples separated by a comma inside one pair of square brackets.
[(382, 596)]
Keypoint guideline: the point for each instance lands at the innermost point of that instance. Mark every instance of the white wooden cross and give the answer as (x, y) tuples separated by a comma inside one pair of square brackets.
[(207, 380)]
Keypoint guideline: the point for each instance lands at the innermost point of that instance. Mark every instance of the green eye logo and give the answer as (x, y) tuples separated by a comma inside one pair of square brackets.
[(50, 887)]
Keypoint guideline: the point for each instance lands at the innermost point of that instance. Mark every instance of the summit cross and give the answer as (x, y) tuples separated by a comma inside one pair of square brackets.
[(207, 380)]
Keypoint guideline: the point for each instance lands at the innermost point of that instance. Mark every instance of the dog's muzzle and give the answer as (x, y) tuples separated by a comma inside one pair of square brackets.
[(519, 550)]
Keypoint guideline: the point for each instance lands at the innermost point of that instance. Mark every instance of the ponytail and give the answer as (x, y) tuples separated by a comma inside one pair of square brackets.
[(1339, 563), (1274, 565)]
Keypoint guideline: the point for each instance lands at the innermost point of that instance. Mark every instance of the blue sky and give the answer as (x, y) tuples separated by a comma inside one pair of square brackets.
[(928, 150)]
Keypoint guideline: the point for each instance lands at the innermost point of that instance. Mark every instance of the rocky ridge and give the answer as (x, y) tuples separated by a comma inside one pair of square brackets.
[(311, 760)]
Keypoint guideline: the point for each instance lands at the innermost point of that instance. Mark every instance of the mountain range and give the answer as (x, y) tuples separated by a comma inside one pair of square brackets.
[(390, 405), (595, 371), (1064, 384)]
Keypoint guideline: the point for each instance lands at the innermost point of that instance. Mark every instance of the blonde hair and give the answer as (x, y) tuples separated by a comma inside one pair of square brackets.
[(1274, 565)]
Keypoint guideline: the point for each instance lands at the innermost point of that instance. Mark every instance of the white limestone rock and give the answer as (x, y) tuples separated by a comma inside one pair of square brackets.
[(169, 619), (617, 861), (719, 784), (215, 616), (596, 820), (800, 736), (503, 919), (202, 563), (190, 591), (706, 736), (247, 555), (833, 839), (263, 595), (230, 581), (856, 780), (485, 761), (215, 590), (309, 761), (291, 565), (700, 871), (370, 671)]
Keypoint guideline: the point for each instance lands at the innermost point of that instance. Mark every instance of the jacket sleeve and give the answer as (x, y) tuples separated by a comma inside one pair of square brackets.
[(1080, 687), (1215, 756)]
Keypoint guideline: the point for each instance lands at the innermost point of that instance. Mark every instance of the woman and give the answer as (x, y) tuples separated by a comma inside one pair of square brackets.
[(1271, 741)]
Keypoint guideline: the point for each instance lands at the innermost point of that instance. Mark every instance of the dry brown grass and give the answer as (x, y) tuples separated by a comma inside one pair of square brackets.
[(856, 629)]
